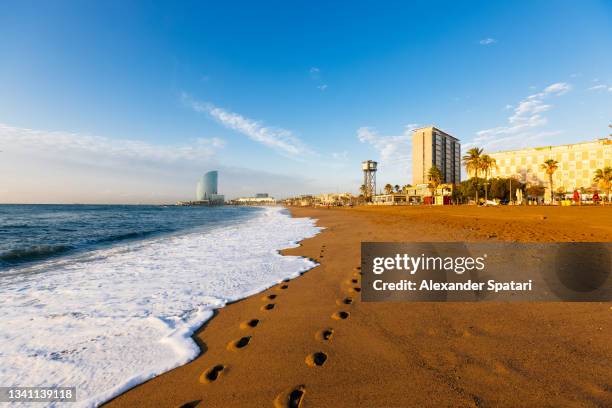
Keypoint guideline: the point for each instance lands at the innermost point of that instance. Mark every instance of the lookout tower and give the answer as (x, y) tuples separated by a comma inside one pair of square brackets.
[(369, 177)]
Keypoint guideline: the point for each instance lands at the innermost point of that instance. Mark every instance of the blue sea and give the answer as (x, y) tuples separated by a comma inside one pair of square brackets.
[(36, 233), (106, 297)]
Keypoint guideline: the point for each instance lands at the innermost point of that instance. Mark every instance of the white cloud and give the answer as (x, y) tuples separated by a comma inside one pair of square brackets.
[(597, 87), (316, 77), (65, 167), (66, 142), (488, 41), (340, 156), (600, 87), (394, 152), (281, 140), (528, 116), (558, 88)]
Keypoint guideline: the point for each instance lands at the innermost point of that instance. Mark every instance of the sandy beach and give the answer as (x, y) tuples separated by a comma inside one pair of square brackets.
[(311, 342)]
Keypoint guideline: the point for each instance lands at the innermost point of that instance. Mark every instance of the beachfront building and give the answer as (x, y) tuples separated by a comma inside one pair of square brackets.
[(433, 147), (577, 163), (300, 201), (259, 199), (335, 199), (419, 194)]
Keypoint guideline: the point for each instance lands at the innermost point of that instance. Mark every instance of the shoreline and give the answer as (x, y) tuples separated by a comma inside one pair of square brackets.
[(127, 313), (396, 354)]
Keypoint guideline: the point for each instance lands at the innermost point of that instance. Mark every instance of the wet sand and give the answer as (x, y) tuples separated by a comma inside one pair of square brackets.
[(311, 347)]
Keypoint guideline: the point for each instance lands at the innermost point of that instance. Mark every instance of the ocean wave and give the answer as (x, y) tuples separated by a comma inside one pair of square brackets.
[(129, 236), (110, 319), (33, 253)]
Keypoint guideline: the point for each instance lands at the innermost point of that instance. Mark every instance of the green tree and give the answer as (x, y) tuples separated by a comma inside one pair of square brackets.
[(364, 192), (388, 188), (603, 177), (397, 188), (435, 178), (550, 166), (487, 164), (535, 190), (471, 161)]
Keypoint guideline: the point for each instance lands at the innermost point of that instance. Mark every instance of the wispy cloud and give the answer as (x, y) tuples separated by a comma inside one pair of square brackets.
[(67, 167), (527, 118), (340, 156), (394, 152), (487, 41), (279, 139), (316, 77), (600, 87), (12, 138)]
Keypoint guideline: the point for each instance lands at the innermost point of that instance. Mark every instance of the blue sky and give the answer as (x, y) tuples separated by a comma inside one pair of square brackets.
[(130, 101)]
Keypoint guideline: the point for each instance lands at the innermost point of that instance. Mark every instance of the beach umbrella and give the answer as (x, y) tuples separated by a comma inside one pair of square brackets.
[(576, 196)]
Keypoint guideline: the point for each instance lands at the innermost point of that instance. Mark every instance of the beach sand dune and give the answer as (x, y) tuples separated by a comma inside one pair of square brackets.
[(311, 342)]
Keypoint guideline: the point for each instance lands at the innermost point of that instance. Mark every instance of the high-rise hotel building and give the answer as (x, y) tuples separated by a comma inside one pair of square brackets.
[(433, 147)]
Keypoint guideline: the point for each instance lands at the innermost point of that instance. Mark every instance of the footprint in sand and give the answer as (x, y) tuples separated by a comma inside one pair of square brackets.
[(316, 359), (239, 344), (249, 324), (212, 374), (346, 301), (269, 306), (283, 285), (324, 335), (340, 315), (292, 398), (269, 297), (191, 404)]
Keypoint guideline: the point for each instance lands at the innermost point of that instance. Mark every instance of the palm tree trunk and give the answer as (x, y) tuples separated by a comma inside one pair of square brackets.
[(550, 184), (476, 178)]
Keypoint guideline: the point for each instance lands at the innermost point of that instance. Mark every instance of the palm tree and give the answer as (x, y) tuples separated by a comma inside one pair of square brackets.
[(435, 178), (396, 188), (487, 163), (388, 188), (550, 166), (471, 161), (364, 191), (603, 177)]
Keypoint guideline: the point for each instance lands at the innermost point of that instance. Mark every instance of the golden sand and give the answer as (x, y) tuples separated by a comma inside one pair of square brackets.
[(311, 342)]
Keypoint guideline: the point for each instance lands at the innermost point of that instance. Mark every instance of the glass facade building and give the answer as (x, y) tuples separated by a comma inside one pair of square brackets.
[(206, 189)]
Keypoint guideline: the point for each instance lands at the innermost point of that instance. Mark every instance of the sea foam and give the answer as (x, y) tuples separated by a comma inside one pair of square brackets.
[(110, 319)]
